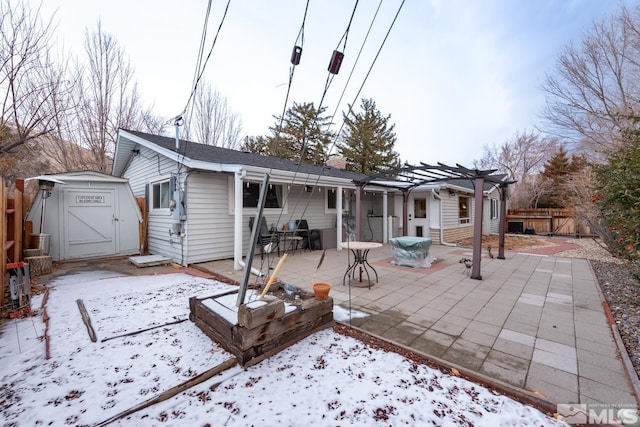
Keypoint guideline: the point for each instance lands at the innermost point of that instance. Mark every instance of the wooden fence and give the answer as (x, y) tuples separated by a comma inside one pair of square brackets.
[(551, 222), (11, 230)]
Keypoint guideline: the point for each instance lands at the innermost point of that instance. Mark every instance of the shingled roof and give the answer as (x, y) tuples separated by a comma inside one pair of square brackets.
[(212, 154)]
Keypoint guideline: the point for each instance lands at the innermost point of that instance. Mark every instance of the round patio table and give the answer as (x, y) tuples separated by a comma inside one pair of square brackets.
[(360, 251)]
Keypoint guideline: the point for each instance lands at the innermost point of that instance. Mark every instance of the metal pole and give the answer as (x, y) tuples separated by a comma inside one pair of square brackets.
[(255, 231)]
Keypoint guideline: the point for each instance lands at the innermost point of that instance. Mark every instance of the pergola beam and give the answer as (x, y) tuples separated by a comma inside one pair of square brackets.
[(415, 176)]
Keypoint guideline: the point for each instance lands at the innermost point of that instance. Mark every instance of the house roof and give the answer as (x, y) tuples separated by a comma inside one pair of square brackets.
[(209, 157)]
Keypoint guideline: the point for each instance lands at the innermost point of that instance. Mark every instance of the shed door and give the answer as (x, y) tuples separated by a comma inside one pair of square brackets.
[(90, 223)]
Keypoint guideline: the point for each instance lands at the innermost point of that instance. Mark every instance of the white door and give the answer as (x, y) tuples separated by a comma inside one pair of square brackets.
[(89, 223), (418, 223)]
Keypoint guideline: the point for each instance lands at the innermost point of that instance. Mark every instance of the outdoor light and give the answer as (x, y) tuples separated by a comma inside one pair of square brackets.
[(452, 193)]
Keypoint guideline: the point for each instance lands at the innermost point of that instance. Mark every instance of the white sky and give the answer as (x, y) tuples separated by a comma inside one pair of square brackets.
[(326, 379), (454, 75)]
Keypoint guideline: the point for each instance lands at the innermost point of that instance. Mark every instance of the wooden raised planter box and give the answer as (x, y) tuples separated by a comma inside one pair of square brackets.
[(262, 331)]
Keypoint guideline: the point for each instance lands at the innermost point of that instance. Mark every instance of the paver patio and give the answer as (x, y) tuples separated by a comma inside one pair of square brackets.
[(534, 322)]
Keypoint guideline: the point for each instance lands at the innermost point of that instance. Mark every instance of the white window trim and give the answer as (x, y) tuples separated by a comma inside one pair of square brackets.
[(495, 211), (159, 181), (464, 220), (250, 211)]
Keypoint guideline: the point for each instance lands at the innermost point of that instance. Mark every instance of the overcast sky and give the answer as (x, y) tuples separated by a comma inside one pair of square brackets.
[(454, 75)]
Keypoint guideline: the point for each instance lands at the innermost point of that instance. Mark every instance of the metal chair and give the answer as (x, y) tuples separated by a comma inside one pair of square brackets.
[(267, 241)]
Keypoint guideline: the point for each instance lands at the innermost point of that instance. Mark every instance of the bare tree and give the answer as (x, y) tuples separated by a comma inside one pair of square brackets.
[(521, 158), (29, 78), (109, 98), (595, 87), (211, 121)]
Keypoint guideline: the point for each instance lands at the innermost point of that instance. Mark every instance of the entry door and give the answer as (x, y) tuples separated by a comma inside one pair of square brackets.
[(90, 223), (418, 224)]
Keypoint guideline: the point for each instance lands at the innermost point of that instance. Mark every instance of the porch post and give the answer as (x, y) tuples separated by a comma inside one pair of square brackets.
[(339, 209), (237, 220), (477, 228), (385, 223), (503, 219), (405, 212), (358, 210)]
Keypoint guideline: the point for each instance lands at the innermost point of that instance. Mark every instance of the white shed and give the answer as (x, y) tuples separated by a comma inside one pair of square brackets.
[(87, 214)]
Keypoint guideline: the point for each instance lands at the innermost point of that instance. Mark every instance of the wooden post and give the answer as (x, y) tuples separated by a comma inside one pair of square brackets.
[(3, 238), (477, 228), (258, 313)]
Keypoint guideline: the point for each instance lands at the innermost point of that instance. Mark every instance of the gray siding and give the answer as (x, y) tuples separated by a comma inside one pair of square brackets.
[(210, 225), (144, 168)]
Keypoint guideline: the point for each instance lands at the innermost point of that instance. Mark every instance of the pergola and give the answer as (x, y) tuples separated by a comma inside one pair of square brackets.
[(408, 177)]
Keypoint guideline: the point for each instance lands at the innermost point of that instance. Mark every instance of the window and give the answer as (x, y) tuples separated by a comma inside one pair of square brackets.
[(420, 208), (463, 210), (251, 195), (332, 201), (160, 195), (494, 208)]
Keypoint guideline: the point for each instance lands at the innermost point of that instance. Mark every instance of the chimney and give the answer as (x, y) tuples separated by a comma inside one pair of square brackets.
[(337, 162)]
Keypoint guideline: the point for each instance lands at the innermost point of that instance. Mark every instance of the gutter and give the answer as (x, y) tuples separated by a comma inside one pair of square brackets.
[(442, 242)]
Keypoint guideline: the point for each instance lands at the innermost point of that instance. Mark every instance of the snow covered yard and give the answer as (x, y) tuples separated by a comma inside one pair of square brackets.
[(325, 379)]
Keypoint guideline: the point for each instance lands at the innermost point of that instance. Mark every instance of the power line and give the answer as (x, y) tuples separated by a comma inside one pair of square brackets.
[(200, 71), (359, 90)]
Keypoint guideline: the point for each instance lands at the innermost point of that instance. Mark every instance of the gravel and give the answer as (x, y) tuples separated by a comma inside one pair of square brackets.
[(620, 289)]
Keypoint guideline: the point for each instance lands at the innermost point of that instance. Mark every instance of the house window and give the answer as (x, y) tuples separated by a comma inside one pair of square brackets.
[(494, 208), (251, 195), (332, 200), (463, 210), (160, 195)]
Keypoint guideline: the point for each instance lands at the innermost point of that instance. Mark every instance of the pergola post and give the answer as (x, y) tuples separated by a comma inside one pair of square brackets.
[(477, 228), (405, 212), (503, 219)]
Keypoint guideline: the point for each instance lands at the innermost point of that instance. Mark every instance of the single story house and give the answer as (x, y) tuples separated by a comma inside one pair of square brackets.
[(200, 199)]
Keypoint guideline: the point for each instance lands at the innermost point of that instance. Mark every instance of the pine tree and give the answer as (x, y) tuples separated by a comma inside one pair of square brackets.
[(557, 171), (368, 140), (301, 136)]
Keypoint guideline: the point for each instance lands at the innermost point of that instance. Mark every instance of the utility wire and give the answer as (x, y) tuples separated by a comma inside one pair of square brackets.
[(360, 90), (328, 82), (356, 61), (200, 71)]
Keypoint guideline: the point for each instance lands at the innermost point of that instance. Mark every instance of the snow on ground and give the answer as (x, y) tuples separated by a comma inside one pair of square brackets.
[(325, 379)]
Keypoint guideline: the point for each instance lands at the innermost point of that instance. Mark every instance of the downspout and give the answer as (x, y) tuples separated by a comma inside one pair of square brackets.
[(442, 242), (238, 263)]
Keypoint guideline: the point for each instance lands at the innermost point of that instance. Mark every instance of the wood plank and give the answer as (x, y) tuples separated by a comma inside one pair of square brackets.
[(255, 314)]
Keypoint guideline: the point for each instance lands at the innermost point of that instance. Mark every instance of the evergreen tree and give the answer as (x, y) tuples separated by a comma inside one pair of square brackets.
[(557, 171), (368, 140), (301, 136), (618, 197)]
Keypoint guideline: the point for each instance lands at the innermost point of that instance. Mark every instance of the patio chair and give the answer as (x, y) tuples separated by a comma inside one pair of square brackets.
[(267, 241), (310, 238)]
